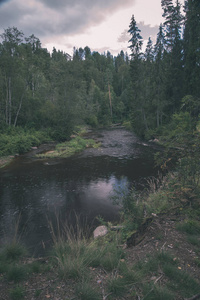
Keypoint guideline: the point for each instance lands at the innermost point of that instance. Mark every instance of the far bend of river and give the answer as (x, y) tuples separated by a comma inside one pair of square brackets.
[(37, 189)]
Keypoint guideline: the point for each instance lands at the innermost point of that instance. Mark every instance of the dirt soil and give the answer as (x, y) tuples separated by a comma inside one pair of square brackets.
[(160, 235)]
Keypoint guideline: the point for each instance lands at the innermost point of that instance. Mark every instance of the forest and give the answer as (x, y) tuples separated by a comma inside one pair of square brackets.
[(153, 91)]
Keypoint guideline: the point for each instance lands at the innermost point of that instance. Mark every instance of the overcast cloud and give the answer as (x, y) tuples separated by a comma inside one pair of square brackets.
[(100, 24), (49, 17)]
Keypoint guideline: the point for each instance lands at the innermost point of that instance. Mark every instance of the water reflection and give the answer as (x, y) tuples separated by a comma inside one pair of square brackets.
[(39, 189)]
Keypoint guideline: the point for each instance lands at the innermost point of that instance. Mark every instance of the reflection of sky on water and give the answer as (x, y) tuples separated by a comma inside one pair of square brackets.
[(83, 184), (42, 199)]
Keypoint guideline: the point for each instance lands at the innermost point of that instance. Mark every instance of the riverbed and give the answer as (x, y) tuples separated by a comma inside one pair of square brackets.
[(34, 191)]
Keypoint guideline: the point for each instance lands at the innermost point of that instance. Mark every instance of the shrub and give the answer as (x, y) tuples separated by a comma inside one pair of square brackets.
[(13, 252)]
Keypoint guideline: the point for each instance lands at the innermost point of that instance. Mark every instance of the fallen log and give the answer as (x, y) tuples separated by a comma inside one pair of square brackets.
[(138, 235)]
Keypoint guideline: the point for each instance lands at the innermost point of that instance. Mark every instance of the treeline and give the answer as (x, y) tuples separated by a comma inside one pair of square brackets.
[(56, 92), (165, 78)]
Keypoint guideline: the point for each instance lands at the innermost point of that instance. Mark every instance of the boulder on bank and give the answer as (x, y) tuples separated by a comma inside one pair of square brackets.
[(100, 231)]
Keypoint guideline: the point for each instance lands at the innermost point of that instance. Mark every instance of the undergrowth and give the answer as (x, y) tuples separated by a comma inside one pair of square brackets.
[(68, 148)]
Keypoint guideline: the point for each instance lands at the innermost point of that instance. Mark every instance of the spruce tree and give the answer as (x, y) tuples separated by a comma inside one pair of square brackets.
[(191, 47)]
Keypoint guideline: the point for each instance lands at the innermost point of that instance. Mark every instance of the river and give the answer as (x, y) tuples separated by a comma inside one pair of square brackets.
[(34, 190)]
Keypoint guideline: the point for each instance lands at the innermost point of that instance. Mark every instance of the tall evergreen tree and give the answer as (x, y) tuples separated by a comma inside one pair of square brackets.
[(136, 40), (192, 47), (159, 102), (174, 62), (137, 110)]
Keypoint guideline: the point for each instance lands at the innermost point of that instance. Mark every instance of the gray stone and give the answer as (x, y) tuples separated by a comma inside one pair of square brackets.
[(100, 231)]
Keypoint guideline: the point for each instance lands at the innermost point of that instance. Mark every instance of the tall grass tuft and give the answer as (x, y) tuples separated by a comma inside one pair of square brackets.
[(14, 250), (85, 291), (73, 250), (17, 293), (16, 273)]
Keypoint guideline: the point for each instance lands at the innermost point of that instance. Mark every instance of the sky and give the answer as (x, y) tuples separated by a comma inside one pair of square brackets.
[(101, 25)]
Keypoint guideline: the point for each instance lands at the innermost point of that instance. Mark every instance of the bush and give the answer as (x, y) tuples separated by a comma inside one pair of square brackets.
[(19, 141), (13, 252)]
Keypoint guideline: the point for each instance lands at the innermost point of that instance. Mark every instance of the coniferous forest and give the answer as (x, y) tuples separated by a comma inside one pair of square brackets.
[(152, 89)]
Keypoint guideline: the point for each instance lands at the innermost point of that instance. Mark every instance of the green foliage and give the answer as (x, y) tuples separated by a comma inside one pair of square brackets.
[(117, 286), (16, 273), (18, 140), (191, 227), (66, 149), (35, 267), (156, 293), (12, 252), (17, 293), (181, 281), (127, 125), (194, 240), (85, 291), (178, 280), (111, 255), (92, 121)]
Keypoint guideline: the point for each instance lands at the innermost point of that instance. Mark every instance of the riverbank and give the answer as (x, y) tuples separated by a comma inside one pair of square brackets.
[(162, 260), (164, 265), (77, 143), (4, 161), (69, 148)]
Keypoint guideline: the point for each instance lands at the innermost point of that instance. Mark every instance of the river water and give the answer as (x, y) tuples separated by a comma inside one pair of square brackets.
[(34, 190)]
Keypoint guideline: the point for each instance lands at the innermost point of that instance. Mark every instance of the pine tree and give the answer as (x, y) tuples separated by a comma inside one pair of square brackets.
[(159, 77), (191, 47), (173, 57), (138, 114), (136, 39)]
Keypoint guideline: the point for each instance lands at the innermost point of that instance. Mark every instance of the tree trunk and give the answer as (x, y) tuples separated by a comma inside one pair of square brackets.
[(157, 118), (19, 108), (9, 102), (110, 100), (6, 111), (145, 120)]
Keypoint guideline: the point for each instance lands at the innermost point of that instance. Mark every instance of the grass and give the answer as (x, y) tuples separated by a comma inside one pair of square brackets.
[(161, 266), (17, 293), (191, 227), (192, 230), (13, 252), (117, 286), (76, 259), (85, 291), (66, 149), (152, 292), (99, 269), (17, 273), (181, 281)]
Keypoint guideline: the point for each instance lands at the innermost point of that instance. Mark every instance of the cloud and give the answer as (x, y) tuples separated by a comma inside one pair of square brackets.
[(2, 1), (53, 18), (146, 32)]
